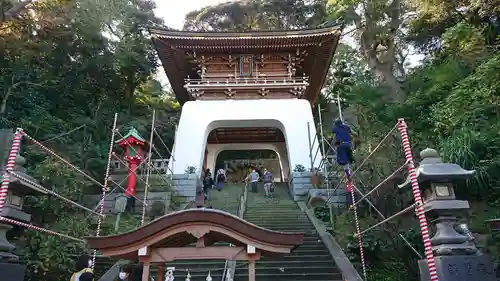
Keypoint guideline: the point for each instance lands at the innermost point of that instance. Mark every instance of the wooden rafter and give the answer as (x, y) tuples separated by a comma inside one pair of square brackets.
[(310, 52)]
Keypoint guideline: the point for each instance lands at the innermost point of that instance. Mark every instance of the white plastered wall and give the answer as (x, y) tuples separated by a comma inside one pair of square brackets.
[(199, 118), (279, 148)]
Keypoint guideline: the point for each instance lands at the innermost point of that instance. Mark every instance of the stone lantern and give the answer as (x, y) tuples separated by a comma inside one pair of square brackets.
[(457, 258), (18, 189), (134, 154)]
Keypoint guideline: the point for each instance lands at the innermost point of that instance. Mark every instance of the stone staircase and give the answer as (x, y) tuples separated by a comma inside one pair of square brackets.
[(310, 261), (226, 200)]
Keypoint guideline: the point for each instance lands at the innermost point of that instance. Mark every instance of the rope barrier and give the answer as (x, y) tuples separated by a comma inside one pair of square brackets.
[(60, 158), (148, 172), (356, 221), (52, 192), (376, 148), (118, 185), (370, 203), (11, 162), (161, 157), (405, 210), (162, 142), (418, 199), (383, 182), (367, 157), (40, 229), (379, 213), (105, 186)]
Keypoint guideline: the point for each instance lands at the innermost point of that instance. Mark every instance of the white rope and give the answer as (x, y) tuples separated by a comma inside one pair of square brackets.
[(405, 210), (105, 185), (148, 172), (384, 181)]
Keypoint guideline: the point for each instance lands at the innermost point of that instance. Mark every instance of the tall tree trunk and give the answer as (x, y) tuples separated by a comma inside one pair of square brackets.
[(379, 48)]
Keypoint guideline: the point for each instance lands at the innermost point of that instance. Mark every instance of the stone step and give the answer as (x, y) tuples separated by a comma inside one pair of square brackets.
[(299, 258), (309, 276), (296, 270), (272, 217), (301, 251), (264, 263), (198, 264), (298, 226), (310, 261)]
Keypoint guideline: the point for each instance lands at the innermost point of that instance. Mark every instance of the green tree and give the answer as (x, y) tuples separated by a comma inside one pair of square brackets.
[(239, 16)]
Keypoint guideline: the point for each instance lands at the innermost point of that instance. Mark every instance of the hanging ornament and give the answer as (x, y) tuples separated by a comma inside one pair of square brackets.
[(169, 276), (209, 278), (188, 277)]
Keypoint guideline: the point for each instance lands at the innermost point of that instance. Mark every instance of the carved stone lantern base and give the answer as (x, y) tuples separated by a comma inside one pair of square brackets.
[(460, 268), (12, 271), (10, 268), (6, 247)]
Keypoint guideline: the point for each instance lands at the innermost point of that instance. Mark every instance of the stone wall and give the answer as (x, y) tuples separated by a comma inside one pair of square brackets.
[(91, 201), (301, 189), (318, 197), (300, 184), (186, 186)]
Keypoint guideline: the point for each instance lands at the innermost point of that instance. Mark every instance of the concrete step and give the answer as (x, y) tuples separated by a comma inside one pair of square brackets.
[(309, 276), (296, 270), (300, 258), (197, 264), (310, 261), (264, 263)]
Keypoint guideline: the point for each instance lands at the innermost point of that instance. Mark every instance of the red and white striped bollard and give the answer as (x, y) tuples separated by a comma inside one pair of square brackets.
[(419, 210)]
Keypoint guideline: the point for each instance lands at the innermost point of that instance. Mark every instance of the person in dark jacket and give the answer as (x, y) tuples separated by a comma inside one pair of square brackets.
[(343, 143), (87, 276), (208, 183)]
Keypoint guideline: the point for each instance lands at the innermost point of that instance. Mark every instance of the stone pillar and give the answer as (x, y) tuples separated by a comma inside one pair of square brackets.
[(300, 185), (457, 258)]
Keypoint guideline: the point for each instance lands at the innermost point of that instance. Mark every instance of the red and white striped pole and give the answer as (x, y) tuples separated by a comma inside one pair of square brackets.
[(419, 209), (11, 162), (39, 229), (350, 188)]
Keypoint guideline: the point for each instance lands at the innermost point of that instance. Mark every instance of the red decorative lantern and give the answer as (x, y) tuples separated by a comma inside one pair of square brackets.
[(134, 154)]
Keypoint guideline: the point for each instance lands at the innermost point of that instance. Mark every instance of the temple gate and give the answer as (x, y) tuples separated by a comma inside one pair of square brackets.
[(246, 88)]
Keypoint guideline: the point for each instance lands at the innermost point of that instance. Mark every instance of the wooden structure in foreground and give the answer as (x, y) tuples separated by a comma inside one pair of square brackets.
[(169, 238)]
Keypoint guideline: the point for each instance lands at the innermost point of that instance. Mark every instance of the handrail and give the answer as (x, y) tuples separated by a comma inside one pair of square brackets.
[(240, 212)]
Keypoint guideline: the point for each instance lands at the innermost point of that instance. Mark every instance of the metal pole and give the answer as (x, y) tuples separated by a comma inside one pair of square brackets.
[(310, 144), (172, 154), (148, 171), (417, 196), (325, 163), (340, 107)]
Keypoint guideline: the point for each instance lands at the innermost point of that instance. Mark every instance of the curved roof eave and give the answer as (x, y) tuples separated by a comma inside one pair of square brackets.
[(188, 217)]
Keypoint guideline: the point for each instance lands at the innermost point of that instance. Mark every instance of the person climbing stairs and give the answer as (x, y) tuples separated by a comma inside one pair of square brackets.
[(310, 261)]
